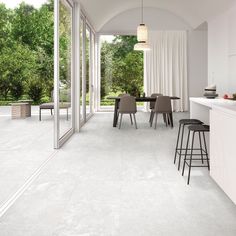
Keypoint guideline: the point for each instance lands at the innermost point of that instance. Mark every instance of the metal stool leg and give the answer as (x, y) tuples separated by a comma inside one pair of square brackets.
[(191, 156), (208, 163), (177, 144), (200, 141), (181, 146), (186, 151)]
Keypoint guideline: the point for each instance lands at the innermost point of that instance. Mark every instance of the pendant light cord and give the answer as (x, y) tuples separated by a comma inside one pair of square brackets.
[(142, 12)]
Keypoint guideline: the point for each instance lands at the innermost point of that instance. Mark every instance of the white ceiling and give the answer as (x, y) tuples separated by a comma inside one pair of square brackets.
[(195, 12)]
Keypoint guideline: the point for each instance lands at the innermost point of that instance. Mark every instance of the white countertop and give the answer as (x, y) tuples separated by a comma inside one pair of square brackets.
[(224, 105)]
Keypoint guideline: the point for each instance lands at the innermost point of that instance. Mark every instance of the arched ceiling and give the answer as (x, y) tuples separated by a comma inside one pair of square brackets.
[(195, 12)]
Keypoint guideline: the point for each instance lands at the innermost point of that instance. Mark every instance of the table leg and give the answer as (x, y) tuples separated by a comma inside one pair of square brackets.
[(171, 120), (39, 114), (115, 119)]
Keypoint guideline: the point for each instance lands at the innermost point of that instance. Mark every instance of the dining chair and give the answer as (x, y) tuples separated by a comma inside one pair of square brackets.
[(123, 95), (127, 106), (163, 106), (152, 105)]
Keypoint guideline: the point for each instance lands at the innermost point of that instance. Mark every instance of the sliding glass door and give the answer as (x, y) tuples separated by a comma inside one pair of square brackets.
[(73, 44), (87, 45), (63, 72), (65, 67)]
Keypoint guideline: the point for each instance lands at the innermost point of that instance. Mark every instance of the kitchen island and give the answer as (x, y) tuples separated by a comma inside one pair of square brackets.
[(220, 114)]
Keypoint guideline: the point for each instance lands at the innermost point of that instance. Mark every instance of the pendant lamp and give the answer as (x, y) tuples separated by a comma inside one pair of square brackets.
[(142, 36)]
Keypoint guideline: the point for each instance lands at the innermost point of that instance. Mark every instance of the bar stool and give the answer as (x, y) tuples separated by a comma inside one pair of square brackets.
[(200, 129), (182, 124)]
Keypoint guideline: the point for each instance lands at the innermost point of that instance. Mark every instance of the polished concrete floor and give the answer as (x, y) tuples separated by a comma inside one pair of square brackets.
[(24, 145), (110, 182)]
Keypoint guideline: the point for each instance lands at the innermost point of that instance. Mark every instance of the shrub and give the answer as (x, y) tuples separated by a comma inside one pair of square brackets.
[(35, 90), (45, 99), (16, 89)]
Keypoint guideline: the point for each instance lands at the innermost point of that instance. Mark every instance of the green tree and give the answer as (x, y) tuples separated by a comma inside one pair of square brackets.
[(107, 54), (124, 44), (17, 65), (121, 66), (128, 74), (5, 26), (34, 28)]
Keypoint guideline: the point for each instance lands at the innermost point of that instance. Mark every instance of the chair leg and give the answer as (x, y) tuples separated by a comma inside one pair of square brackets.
[(156, 122), (168, 119), (131, 119), (135, 122), (177, 143), (120, 120), (164, 118)]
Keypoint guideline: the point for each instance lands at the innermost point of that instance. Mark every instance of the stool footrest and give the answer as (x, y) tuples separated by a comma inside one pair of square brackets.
[(194, 154), (196, 166)]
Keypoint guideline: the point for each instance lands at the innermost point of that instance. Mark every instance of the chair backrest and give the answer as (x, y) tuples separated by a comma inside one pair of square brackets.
[(127, 104), (154, 95), (163, 104)]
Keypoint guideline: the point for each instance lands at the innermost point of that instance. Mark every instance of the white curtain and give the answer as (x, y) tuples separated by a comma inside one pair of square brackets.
[(165, 66)]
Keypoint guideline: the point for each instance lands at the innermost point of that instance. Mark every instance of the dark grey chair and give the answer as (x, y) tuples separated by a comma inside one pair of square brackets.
[(152, 104), (163, 106), (127, 106)]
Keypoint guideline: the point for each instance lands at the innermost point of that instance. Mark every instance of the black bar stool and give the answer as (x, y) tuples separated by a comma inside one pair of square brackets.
[(200, 129), (182, 124)]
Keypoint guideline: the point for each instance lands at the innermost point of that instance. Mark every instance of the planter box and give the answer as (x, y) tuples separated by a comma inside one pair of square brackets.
[(20, 110)]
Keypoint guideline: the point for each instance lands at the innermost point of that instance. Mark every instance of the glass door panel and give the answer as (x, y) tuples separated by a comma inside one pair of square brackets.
[(82, 118), (88, 71), (65, 67), (92, 60)]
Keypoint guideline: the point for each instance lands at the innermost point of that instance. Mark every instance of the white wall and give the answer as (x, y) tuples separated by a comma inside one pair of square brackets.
[(222, 51), (198, 62), (157, 19)]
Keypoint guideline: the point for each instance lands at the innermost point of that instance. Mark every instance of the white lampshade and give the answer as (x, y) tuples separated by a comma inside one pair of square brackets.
[(142, 33), (142, 46)]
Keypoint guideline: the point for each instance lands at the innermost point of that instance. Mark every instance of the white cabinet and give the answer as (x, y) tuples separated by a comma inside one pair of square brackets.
[(223, 151)]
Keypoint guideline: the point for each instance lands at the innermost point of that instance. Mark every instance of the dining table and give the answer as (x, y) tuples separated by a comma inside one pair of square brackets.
[(138, 99)]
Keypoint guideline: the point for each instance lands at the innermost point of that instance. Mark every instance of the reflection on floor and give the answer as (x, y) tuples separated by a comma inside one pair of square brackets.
[(110, 182)]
